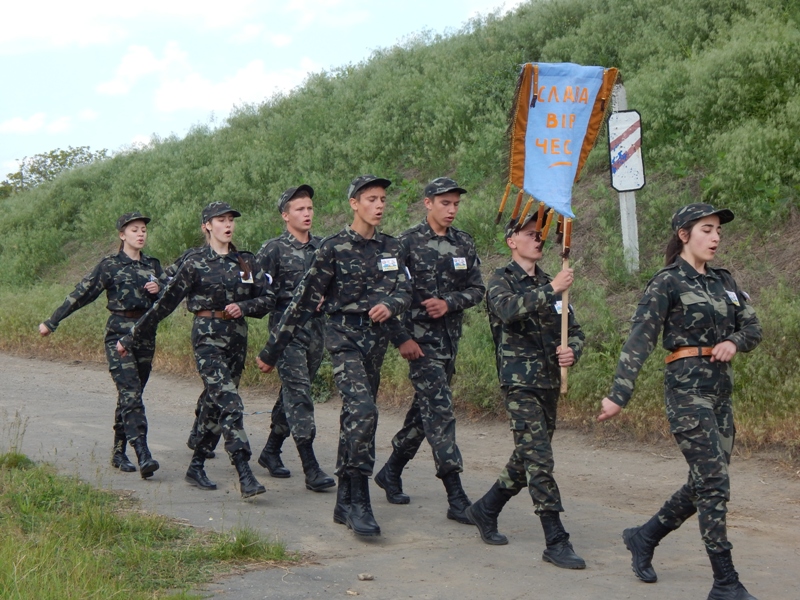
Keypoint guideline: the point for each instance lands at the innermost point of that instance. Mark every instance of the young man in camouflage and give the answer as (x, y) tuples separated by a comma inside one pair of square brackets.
[(525, 316), (359, 277), (446, 276), (285, 259)]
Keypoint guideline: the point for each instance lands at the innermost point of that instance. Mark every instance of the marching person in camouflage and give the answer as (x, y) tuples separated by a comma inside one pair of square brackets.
[(131, 281), (286, 259), (222, 286), (359, 277), (446, 276), (525, 316), (706, 319)]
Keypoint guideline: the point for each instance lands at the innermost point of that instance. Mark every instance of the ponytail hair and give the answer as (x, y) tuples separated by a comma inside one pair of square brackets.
[(675, 244)]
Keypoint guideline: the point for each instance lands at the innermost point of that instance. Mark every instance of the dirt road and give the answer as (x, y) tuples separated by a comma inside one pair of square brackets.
[(67, 411)]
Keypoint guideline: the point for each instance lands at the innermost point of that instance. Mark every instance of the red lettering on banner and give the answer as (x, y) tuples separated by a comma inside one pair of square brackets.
[(584, 99), (541, 144), (553, 93), (552, 120), (555, 146), (566, 147), (568, 97)]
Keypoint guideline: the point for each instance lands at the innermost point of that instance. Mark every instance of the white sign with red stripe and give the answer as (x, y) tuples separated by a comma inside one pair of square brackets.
[(625, 146)]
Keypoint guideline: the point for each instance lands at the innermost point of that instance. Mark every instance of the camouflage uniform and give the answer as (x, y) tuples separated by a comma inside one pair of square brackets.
[(285, 259), (445, 267), (698, 310), (353, 274), (210, 281), (525, 318), (123, 280)]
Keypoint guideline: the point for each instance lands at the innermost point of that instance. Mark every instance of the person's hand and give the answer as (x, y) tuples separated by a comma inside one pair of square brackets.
[(264, 367), (44, 331), (563, 280), (566, 356), (436, 307), (152, 287), (608, 410), (410, 350), (233, 310), (724, 351), (380, 313), (123, 352)]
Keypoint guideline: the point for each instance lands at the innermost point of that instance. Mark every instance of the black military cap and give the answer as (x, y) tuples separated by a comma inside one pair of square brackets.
[(216, 209), (287, 196), (442, 185), (513, 225), (698, 210), (129, 218), (362, 181)]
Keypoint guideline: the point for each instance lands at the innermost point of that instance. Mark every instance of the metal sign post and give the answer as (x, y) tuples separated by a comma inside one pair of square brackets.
[(627, 169)]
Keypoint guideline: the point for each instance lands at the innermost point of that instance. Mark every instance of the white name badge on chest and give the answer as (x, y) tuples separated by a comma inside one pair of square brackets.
[(459, 263), (558, 306), (249, 277), (734, 298), (388, 264)]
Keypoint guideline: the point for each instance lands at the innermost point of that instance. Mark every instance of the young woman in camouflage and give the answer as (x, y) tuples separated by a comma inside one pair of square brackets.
[(221, 286), (706, 319), (131, 281)]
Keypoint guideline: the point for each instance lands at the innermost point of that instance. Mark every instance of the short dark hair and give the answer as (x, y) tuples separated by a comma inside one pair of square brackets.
[(358, 194)]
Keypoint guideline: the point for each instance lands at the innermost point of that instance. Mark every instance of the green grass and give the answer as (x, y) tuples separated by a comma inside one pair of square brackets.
[(60, 539)]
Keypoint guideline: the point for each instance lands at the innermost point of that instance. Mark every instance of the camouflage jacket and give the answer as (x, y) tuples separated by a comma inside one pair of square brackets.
[(525, 317), (285, 259), (445, 267), (210, 281), (353, 274), (691, 309), (123, 280)]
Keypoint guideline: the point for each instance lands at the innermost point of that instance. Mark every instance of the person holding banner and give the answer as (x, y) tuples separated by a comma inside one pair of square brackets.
[(706, 320), (525, 316)]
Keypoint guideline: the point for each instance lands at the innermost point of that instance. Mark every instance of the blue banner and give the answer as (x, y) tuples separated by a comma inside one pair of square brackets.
[(556, 129)]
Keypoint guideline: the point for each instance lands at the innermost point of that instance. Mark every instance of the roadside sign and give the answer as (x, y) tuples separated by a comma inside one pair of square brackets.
[(625, 147)]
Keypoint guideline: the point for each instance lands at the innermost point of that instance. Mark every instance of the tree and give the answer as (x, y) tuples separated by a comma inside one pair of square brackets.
[(39, 168)]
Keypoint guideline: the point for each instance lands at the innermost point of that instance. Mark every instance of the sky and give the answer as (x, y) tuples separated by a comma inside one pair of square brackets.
[(114, 74)]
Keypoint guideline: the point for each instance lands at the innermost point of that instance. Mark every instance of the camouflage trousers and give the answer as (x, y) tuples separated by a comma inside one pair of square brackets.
[(703, 427), (297, 366), (130, 375), (357, 351), (532, 415), (431, 415), (220, 349)]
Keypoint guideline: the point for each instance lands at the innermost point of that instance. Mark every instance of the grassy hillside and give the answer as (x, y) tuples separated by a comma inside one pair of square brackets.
[(716, 84)]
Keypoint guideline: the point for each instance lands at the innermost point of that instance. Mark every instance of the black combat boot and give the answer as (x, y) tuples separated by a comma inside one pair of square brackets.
[(342, 500), (196, 474), (483, 514), (388, 479), (360, 518), (248, 484), (316, 479), (270, 457), (456, 498), (559, 549), (642, 542), (726, 580), (147, 464), (119, 460)]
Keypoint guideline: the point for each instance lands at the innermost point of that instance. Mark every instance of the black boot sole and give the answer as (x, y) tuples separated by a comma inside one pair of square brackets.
[(128, 467), (363, 533), (340, 519), (198, 485), (503, 541), (148, 469), (256, 492), (626, 537), (563, 565), (458, 518), (276, 474), (379, 480), (321, 486)]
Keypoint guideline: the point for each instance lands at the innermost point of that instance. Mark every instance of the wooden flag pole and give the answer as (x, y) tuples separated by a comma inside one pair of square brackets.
[(565, 301)]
